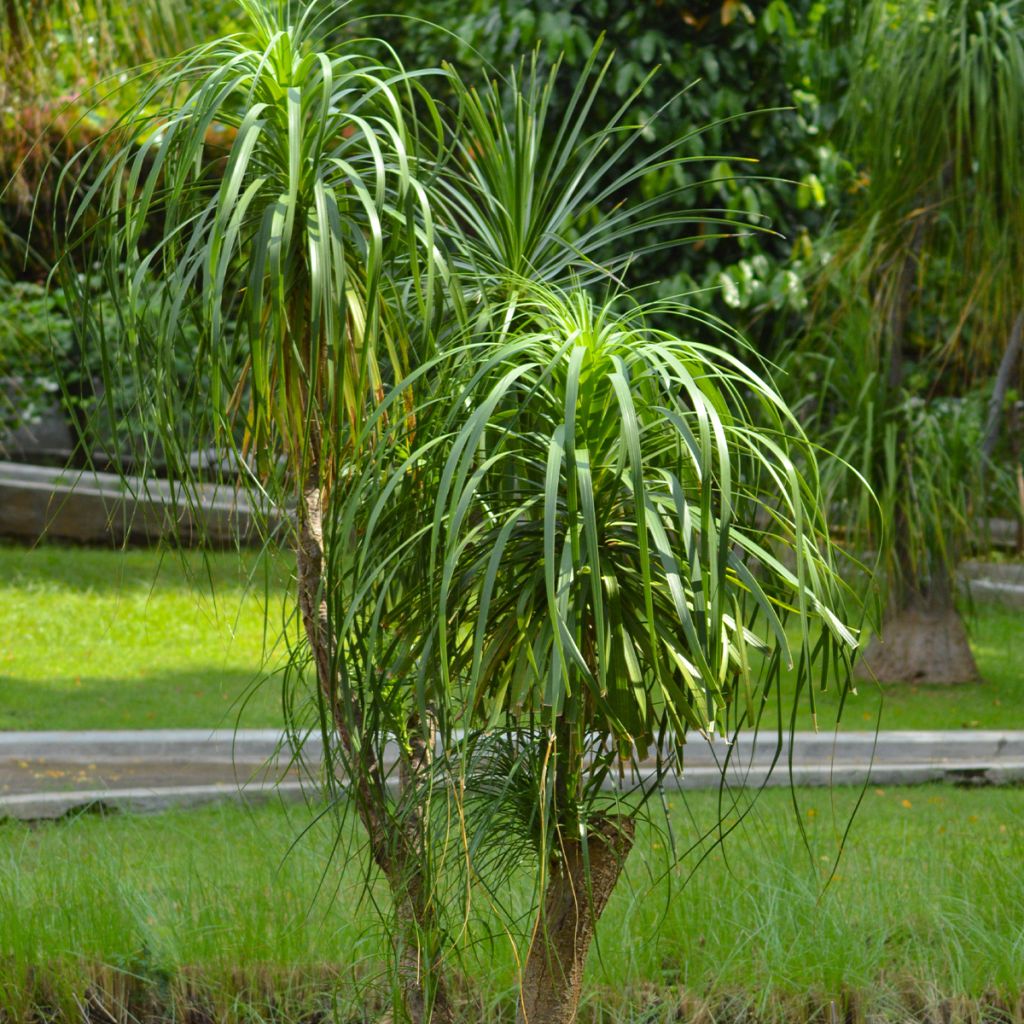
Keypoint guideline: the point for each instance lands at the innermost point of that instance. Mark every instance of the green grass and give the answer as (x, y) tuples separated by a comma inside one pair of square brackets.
[(96, 639), (133, 639), (996, 633), (925, 915)]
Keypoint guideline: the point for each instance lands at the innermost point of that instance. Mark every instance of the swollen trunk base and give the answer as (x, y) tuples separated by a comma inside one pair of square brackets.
[(921, 646), (573, 903)]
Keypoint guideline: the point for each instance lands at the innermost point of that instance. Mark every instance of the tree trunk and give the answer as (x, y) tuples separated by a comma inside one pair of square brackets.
[(417, 938), (899, 310), (923, 640), (573, 903), (1020, 511), (1001, 386), (395, 850)]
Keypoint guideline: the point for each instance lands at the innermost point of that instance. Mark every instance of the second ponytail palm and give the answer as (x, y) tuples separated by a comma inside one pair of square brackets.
[(579, 560)]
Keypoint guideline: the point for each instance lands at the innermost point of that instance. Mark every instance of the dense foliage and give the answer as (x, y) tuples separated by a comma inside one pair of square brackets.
[(735, 82)]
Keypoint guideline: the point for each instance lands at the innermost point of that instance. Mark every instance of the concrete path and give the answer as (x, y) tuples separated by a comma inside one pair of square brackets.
[(49, 774), (1002, 582)]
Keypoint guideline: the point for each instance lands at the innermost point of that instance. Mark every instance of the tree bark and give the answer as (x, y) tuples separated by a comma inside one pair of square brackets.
[(1001, 386), (923, 640), (899, 311), (573, 903), (1020, 500), (395, 850), (419, 968)]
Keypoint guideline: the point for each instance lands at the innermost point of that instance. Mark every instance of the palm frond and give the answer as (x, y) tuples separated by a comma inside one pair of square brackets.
[(586, 538)]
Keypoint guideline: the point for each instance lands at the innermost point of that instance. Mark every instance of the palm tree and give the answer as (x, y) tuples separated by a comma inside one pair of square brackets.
[(579, 560), (928, 283), (295, 260)]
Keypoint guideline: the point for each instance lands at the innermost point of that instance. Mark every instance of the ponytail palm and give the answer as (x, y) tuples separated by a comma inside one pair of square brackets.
[(285, 276), (287, 252), (520, 514), (582, 554), (927, 282)]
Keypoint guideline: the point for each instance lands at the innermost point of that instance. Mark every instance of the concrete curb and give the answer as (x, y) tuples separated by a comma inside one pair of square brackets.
[(149, 800), (92, 507), (144, 800), (986, 757), (212, 746), (999, 582), (257, 746)]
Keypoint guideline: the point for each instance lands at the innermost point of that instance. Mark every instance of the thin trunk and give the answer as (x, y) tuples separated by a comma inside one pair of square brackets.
[(1020, 513), (419, 968), (396, 852), (13, 28), (995, 406), (900, 310), (898, 315), (578, 890)]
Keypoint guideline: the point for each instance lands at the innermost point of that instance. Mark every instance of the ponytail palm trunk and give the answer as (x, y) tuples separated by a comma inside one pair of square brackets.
[(922, 637), (295, 260), (581, 880), (934, 112)]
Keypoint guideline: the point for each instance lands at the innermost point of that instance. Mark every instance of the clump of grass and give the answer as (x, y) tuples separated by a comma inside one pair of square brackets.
[(216, 914)]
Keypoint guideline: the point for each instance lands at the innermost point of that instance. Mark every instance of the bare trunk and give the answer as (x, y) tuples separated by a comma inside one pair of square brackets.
[(1001, 386), (419, 968), (396, 852), (923, 640), (1020, 499), (573, 903), (899, 312)]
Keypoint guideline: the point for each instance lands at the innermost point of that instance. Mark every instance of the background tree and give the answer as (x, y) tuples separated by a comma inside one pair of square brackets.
[(928, 296)]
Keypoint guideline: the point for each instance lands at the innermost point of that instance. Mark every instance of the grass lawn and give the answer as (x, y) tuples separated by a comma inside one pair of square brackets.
[(110, 639), (997, 638), (924, 919), (97, 639)]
